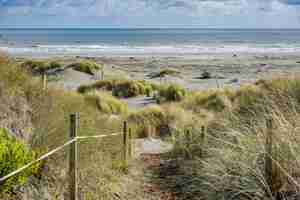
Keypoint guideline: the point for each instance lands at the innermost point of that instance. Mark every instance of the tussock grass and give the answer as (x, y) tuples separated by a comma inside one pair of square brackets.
[(88, 67), (39, 67), (164, 73), (171, 93), (120, 88), (46, 121), (231, 165), (106, 103)]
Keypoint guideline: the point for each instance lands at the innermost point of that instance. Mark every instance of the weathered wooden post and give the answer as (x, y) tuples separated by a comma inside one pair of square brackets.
[(125, 144), (203, 140), (268, 155), (188, 144), (130, 142), (44, 78), (102, 74), (74, 118)]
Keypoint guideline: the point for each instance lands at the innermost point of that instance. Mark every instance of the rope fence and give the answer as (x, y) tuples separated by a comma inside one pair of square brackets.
[(74, 153)]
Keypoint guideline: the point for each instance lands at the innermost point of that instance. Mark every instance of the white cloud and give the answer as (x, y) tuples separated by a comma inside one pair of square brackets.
[(219, 13)]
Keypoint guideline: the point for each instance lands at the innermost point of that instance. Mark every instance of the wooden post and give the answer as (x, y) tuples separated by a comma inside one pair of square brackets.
[(268, 155), (188, 143), (73, 157), (130, 142), (203, 136), (44, 80), (125, 143), (102, 74)]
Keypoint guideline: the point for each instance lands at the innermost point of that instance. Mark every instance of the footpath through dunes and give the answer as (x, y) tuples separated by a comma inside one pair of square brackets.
[(156, 169)]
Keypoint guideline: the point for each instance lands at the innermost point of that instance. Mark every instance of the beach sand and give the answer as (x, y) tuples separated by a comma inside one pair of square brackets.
[(226, 70)]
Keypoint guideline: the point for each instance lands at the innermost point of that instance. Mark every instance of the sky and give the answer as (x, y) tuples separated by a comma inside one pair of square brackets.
[(150, 13)]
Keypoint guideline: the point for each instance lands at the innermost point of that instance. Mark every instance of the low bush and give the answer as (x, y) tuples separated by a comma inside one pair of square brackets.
[(106, 103), (120, 88), (87, 67), (153, 116), (39, 67), (14, 154), (215, 101), (164, 73), (171, 93)]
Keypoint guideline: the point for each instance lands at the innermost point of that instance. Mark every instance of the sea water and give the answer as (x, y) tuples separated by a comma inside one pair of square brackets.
[(100, 42)]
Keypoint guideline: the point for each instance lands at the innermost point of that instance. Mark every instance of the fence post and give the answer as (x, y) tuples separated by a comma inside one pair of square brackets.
[(130, 143), (44, 78), (268, 155), (102, 74), (73, 157), (125, 143), (203, 136), (188, 143)]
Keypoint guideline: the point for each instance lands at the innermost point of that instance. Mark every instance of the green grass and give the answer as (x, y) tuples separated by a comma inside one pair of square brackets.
[(88, 67)]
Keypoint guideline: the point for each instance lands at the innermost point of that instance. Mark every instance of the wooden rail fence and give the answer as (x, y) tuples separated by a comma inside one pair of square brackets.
[(73, 153), (127, 150)]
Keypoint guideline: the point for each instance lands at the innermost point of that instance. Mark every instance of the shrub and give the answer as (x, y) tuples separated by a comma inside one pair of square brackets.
[(14, 155), (171, 93), (215, 101), (107, 103), (153, 116), (119, 88), (88, 67), (165, 72), (36, 66)]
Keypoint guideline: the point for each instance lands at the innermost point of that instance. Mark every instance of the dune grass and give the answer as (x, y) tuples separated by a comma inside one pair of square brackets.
[(39, 66), (88, 67), (164, 73), (170, 93), (106, 103), (120, 88), (46, 121), (229, 163)]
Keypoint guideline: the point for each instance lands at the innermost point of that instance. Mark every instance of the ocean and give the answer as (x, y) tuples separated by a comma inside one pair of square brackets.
[(103, 42)]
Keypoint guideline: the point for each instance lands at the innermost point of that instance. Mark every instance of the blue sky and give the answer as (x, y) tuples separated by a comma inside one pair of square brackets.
[(151, 13)]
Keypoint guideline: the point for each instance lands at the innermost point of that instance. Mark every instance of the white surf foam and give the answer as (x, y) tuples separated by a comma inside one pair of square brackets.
[(147, 50)]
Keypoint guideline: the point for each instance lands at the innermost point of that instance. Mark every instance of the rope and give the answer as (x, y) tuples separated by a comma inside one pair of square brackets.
[(52, 152), (97, 136), (36, 161)]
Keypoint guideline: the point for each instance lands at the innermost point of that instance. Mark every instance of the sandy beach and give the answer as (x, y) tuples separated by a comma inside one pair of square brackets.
[(226, 70)]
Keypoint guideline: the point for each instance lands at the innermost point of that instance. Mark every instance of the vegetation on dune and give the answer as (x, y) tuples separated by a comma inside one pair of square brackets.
[(171, 93), (227, 162), (106, 103), (88, 67), (39, 67), (120, 88), (45, 118), (13, 155), (164, 73)]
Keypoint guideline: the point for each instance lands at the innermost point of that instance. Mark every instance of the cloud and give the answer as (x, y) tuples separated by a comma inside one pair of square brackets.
[(226, 13)]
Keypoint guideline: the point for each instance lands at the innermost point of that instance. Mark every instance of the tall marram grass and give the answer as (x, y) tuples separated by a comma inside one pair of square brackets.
[(46, 123), (232, 166)]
